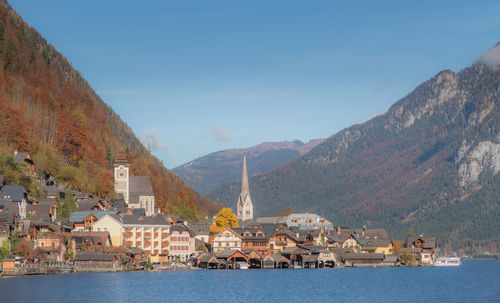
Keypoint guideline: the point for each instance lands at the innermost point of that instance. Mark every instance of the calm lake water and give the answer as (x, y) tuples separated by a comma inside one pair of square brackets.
[(474, 281)]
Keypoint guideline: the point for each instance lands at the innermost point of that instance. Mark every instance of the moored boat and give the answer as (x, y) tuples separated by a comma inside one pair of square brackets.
[(448, 261)]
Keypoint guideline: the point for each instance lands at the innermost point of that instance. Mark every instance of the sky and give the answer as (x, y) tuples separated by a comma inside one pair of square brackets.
[(195, 77)]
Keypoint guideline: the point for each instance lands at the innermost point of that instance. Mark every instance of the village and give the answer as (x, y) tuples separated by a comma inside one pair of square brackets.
[(131, 234)]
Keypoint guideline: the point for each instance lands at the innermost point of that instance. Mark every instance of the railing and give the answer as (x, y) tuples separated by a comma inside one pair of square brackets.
[(147, 235), (128, 234)]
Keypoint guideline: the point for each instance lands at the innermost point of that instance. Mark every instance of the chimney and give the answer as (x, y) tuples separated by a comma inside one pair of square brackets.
[(338, 229), (363, 231)]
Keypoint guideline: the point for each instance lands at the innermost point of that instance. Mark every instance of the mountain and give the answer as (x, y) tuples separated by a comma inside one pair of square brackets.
[(50, 110), (207, 173), (431, 161)]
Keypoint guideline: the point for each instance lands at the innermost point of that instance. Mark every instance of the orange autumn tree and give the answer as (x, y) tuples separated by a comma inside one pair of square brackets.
[(225, 218)]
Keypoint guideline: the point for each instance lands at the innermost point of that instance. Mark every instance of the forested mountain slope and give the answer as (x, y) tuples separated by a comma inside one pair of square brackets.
[(49, 109), (207, 173), (431, 161)]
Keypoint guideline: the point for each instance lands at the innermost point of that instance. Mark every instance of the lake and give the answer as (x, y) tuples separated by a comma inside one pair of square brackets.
[(474, 281)]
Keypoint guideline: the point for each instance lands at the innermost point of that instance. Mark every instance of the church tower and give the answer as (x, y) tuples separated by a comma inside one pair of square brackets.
[(122, 185), (245, 206)]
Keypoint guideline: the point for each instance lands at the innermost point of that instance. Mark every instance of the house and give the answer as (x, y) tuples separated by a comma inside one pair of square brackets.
[(201, 230), (282, 239), (38, 211), (275, 261), (256, 238), (319, 257), (51, 203), (16, 194), (43, 226), (210, 261), (232, 257), (363, 259), (181, 243), (83, 220), (137, 191), (8, 266), (295, 254), (90, 241), (96, 261), (272, 220), (427, 246), (384, 246), (25, 158), (227, 238), (307, 221), (51, 245), (150, 234)]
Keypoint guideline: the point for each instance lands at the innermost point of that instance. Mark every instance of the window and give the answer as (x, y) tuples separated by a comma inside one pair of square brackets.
[(98, 229), (247, 213), (105, 229), (53, 244), (42, 244)]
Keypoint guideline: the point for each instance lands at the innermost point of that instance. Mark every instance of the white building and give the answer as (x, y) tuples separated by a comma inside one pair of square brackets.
[(136, 190)]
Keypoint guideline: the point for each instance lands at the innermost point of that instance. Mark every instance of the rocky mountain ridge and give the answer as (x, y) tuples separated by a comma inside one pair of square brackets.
[(208, 172), (430, 161)]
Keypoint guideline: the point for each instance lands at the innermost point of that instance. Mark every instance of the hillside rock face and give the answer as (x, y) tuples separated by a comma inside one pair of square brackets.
[(431, 161), (207, 173), (50, 110)]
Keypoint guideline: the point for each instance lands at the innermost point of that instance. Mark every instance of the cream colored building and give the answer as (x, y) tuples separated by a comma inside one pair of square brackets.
[(136, 190), (151, 234), (227, 238)]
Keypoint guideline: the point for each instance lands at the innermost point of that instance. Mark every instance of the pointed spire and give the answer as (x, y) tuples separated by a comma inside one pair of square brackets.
[(245, 189)]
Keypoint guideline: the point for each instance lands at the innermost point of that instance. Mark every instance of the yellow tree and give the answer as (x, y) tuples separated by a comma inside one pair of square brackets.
[(224, 218)]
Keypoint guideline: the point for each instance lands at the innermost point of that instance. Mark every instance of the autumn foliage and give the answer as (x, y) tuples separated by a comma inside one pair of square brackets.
[(50, 110), (225, 218)]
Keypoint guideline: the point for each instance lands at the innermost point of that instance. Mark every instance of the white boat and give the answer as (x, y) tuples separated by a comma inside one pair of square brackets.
[(448, 261), (241, 265)]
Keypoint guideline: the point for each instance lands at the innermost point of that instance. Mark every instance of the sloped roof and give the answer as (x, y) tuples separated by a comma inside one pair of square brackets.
[(118, 204), (307, 221), (365, 256), (375, 242), (86, 205), (226, 253), (200, 229), (181, 228), (78, 216), (13, 193), (93, 256), (272, 220), (20, 156), (428, 242), (38, 211), (141, 220), (47, 201), (139, 211), (7, 216), (139, 186)]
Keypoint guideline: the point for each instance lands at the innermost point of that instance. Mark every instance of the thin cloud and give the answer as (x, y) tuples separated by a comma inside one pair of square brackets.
[(220, 134), (491, 57), (152, 140)]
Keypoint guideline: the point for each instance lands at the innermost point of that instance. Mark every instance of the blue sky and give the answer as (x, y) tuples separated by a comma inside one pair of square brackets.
[(195, 77)]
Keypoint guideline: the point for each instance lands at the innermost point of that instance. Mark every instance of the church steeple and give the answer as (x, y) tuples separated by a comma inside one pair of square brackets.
[(245, 206)]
